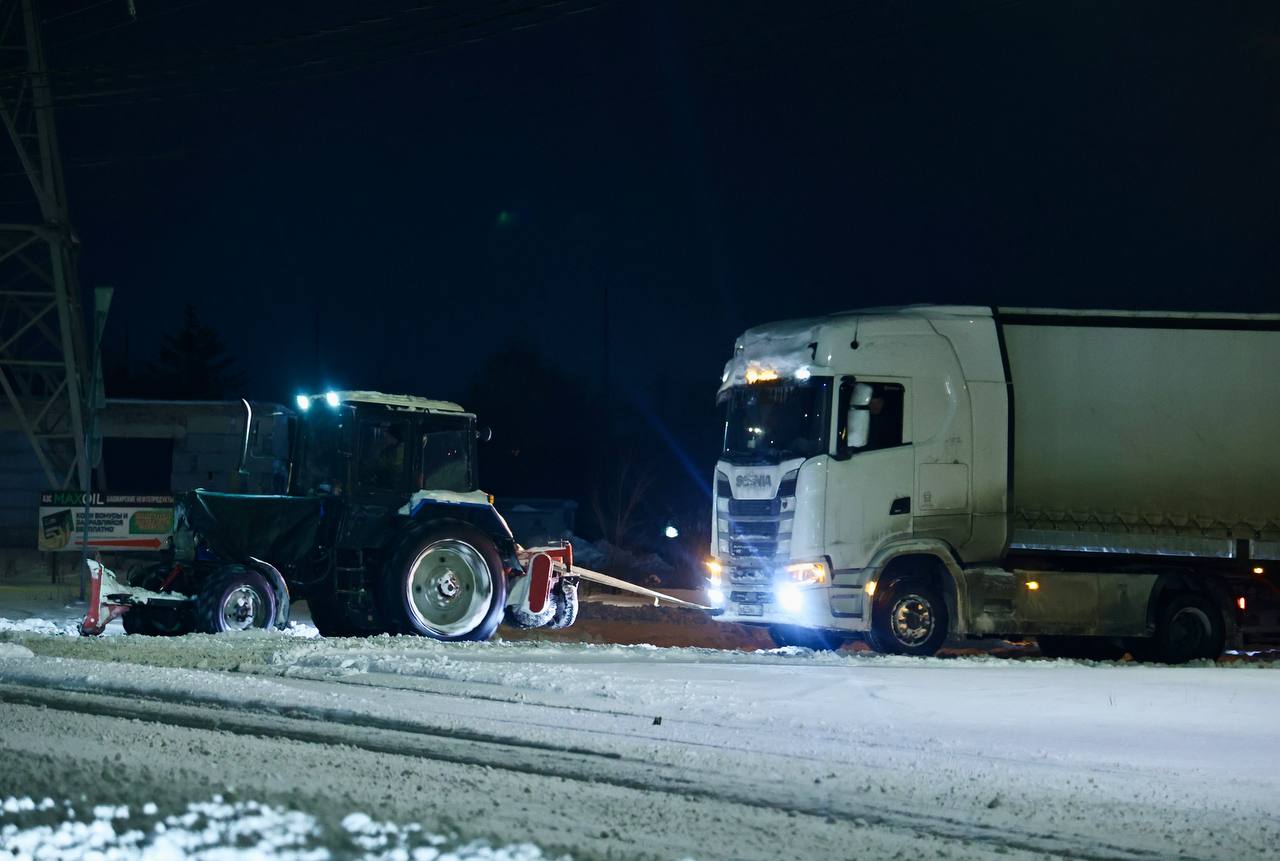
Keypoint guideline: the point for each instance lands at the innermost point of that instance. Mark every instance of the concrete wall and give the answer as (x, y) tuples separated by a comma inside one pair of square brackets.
[(206, 435)]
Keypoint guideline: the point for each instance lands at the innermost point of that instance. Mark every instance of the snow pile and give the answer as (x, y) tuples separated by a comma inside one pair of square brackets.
[(218, 829), (40, 626)]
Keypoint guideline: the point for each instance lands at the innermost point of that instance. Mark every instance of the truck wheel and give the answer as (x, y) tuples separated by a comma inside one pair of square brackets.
[(909, 617), (446, 583), (234, 599), (156, 621), (1080, 648), (565, 600), (1189, 627), (806, 638)]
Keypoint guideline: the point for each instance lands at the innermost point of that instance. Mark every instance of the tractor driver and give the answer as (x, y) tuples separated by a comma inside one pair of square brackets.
[(386, 465)]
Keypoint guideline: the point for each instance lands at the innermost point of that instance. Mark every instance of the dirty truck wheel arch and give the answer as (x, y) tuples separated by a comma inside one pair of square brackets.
[(444, 580)]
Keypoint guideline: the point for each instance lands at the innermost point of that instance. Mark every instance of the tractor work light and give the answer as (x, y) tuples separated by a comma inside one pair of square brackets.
[(303, 402), (803, 374), (331, 398)]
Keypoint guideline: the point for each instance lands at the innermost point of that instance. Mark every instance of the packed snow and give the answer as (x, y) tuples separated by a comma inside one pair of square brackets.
[(375, 748), (218, 829)]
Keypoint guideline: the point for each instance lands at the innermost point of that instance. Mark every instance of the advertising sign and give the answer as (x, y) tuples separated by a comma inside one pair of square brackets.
[(116, 522)]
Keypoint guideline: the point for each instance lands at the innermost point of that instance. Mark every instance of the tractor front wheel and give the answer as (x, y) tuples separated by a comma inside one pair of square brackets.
[(234, 599)]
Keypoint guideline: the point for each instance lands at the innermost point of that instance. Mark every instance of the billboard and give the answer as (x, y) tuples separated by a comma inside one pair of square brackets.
[(116, 521)]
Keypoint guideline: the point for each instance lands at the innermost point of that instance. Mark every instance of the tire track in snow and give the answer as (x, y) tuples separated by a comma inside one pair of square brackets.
[(380, 735)]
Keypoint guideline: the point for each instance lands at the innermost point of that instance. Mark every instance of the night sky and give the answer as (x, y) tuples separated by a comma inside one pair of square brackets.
[(421, 187)]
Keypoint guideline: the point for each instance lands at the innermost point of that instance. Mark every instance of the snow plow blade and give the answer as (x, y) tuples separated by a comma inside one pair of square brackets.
[(606, 580)]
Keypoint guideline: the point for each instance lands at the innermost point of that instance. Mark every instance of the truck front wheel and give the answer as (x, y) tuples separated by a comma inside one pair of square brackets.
[(909, 617), (446, 583)]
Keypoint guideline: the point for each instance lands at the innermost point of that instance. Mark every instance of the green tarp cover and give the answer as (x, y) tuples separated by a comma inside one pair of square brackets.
[(279, 529)]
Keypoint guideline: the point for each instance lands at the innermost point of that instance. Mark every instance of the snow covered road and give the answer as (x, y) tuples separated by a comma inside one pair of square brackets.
[(626, 752)]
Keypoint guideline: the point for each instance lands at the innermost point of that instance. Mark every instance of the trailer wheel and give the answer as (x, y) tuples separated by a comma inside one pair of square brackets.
[(157, 621), (1188, 627), (446, 583), (565, 599), (235, 599), (785, 636), (909, 617)]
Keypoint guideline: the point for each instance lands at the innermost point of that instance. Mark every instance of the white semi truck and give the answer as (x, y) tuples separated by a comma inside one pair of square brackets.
[(1102, 481)]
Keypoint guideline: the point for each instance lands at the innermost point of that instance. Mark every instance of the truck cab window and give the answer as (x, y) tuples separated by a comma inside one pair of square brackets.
[(886, 410)]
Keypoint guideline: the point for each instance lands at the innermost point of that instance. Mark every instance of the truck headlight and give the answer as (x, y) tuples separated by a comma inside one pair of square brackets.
[(789, 597), (807, 573)]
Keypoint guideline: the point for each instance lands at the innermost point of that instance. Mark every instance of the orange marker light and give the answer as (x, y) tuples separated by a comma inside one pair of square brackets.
[(1258, 569), (1033, 585), (1241, 603)]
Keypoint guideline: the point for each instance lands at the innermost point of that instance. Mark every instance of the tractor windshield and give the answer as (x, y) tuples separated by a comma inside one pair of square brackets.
[(446, 458)]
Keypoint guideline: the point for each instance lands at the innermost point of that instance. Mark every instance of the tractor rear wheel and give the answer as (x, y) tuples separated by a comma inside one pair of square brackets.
[(446, 582)]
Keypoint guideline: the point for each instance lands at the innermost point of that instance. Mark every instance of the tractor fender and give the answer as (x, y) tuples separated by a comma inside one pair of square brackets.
[(279, 586), (432, 506)]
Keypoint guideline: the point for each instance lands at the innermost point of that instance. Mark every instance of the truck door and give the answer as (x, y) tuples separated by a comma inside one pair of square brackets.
[(870, 480)]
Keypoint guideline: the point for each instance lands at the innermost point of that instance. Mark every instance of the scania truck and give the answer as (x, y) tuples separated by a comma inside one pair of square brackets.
[(1102, 482)]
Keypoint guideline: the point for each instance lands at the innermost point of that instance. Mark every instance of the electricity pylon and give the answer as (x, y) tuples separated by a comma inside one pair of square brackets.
[(43, 354)]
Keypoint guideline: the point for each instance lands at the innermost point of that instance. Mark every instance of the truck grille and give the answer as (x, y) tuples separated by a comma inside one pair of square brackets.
[(756, 532), (755, 507)]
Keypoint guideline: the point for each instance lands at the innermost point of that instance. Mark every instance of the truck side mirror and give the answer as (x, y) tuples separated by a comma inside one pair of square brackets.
[(858, 421), (484, 433)]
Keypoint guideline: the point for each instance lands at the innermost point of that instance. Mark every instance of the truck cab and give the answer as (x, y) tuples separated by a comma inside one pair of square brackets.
[(869, 461)]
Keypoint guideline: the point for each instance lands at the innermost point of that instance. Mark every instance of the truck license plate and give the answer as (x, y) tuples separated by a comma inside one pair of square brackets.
[(750, 609)]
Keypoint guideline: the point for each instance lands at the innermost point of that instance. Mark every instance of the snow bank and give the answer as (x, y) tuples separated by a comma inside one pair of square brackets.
[(39, 626), (218, 829)]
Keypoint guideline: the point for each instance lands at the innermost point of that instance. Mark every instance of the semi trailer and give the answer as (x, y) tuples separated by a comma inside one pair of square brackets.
[(1101, 481), (381, 528)]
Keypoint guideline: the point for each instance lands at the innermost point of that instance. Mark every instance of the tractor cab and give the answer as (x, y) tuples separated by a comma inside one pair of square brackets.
[(367, 445)]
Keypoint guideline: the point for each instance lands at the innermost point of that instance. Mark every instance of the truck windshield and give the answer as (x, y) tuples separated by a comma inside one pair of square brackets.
[(772, 422)]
